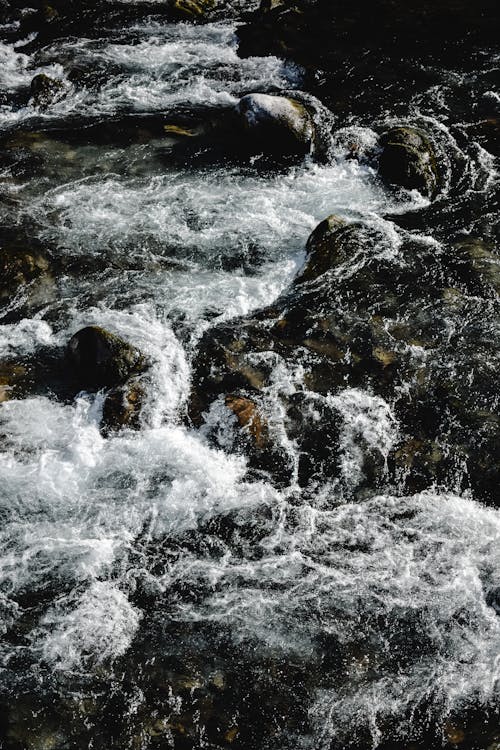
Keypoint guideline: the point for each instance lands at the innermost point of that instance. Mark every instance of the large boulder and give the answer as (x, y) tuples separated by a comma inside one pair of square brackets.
[(276, 124), (363, 318), (101, 359), (409, 159)]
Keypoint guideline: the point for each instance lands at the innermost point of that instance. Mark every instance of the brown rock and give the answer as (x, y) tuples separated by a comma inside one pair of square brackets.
[(247, 414)]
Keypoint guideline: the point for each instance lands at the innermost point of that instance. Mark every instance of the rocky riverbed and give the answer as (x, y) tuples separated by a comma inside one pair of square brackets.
[(249, 356)]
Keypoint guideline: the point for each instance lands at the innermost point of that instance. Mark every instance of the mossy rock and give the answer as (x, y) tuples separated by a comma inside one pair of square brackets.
[(408, 159), (101, 359), (191, 10)]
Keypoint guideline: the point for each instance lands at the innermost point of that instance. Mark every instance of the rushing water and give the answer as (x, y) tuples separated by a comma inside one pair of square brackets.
[(153, 592)]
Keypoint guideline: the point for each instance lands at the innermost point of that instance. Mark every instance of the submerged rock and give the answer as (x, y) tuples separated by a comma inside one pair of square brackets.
[(45, 90), (101, 359), (277, 125), (24, 267), (409, 159)]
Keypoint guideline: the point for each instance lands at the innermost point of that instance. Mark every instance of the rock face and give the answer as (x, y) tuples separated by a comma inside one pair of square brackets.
[(276, 124), (101, 359), (409, 159)]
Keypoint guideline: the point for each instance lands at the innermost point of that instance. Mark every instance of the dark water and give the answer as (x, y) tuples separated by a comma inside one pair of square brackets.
[(155, 591)]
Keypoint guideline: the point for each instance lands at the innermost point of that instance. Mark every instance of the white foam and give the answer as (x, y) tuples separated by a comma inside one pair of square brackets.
[(172, 64), (369, 574), (99, 628), (368, 424)]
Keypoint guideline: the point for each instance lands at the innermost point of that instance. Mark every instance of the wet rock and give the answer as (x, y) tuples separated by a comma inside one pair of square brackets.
[(493, 599), (379, 325), (122, 407), (101, 359), (22, 267), (190, 10), (276, 125), (312, 31), (249, 418), (408, 159), (45, 90), (12, 377), (477, 262), (323, 248), (487, 133)]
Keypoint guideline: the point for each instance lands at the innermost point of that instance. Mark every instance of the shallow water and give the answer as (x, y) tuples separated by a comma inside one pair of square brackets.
[(149, 576)]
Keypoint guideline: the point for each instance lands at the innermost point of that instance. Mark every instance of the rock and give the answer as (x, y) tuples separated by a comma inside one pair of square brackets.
[(478, 265), (190, 10), (101, 359), (45, 90), (487, 133), (356, 317), (20, 266), (323, 248), (12, 376), (408, 159), (122, 407), (314, 31), (249, 418), (493, 599), (276, 125)]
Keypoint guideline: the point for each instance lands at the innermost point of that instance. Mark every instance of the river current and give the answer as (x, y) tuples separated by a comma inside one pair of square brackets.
[(153, 591)]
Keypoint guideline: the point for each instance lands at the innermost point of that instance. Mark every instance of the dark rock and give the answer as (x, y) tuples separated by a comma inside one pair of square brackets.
[(101, 359), (324, 248), (312, 31), (380, 325), (45, 90), (493, 599), (408, 159), (276, 124), (122, 407)]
